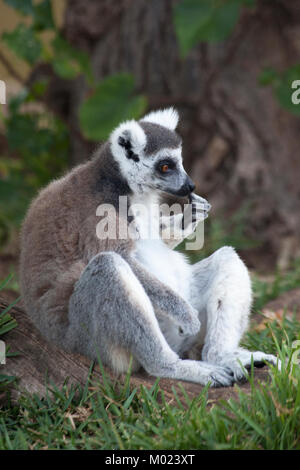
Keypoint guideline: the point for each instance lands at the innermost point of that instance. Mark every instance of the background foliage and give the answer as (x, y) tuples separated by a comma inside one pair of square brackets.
[(36, 138)]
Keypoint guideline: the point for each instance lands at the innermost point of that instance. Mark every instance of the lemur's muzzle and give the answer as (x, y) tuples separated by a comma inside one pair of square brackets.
[(186, 189)]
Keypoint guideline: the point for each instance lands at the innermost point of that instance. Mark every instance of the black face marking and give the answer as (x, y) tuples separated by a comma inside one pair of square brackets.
[(128, 148), (169, 163)]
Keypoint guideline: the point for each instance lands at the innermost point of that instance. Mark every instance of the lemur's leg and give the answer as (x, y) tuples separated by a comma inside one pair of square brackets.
[(221, 292), (110, 312), (177, 319), (179, 226)]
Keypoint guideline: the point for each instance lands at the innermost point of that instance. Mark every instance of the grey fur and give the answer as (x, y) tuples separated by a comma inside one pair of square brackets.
[(102, 296), (132, 329), (159, 137)]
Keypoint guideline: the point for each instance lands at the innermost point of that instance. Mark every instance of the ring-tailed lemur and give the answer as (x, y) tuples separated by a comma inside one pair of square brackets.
[(123, 297)]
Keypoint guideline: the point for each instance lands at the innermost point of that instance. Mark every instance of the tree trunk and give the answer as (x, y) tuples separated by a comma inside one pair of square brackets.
[(240, 146)]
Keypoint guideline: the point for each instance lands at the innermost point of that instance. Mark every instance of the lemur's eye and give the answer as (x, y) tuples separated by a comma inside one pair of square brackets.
[(166, 166)]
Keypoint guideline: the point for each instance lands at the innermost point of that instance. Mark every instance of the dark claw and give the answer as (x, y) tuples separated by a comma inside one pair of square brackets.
[(259, 364), (243, 380), (229, 371), (216, 383)]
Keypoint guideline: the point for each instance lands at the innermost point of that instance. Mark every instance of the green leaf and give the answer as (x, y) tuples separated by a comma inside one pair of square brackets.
[(9, 324), (43, 17), (267, 76), (205, 20), (5, 281), (64, 68), (9, 307), (41, 12), (14, 200), (17, 100), (20, 130), (38, 89), (112, 102), (23, 6), (26, 95), (282, 86), (284, 90), (24, 43), (7, 378), (69, 62)]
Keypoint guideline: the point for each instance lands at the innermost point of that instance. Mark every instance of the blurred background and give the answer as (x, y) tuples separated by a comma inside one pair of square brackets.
[(73, 69)]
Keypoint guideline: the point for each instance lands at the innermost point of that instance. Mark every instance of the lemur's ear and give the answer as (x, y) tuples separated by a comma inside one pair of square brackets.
[(128, 140), (165, 117)]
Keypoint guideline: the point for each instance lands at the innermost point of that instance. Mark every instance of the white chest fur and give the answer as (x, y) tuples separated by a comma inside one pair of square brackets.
[(172, 269), (169, 266)]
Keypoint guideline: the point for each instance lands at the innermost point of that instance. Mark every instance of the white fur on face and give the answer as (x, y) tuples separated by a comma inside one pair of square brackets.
[(131, 170), (165, 117), (136, 168), (175, 154), (137, 137), (139, 173)]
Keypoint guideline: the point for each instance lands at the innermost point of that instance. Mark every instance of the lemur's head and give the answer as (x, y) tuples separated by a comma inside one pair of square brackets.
[(149, 154)]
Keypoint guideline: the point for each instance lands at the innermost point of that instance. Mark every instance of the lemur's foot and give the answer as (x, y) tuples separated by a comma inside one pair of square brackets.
[(219, 376), (203, 373), (239, 362)]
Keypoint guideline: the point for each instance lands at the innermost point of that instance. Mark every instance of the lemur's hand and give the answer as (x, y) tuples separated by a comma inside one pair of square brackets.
[(197, 213), (179, 226), (200, 206)]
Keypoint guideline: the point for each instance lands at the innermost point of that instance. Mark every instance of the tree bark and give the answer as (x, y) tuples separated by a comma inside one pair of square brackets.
[(240, 146)]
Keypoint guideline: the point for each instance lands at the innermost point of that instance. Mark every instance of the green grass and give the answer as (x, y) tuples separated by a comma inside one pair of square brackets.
[(7, 323), (110, 416), (265, 291)]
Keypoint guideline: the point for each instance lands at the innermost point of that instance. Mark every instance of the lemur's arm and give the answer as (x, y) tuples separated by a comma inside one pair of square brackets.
[(162, 297), (177, 227)]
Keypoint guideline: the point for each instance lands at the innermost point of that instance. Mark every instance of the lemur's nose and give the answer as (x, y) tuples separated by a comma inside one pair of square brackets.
[(189, 184), (186, 189)]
